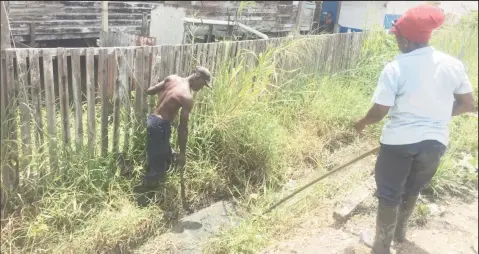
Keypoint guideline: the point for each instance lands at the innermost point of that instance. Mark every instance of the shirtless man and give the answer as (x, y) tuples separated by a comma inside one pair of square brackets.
[(174, 92)]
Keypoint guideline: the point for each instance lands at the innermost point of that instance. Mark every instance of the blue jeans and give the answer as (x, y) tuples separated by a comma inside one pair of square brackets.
[(406, 169), (158, 149)]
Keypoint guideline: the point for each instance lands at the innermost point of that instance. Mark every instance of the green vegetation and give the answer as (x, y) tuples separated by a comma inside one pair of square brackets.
[(255, 129)]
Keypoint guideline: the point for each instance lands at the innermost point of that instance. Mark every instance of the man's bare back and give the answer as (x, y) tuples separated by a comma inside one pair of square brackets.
[(174, 95)]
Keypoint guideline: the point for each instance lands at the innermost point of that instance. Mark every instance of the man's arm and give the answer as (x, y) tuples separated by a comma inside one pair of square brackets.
[(375, 114), (384, 97), (463, 94), (157, 88), (464, 103), (187, 105)]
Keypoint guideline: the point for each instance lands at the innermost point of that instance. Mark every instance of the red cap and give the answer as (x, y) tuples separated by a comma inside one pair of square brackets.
[(416, 24)]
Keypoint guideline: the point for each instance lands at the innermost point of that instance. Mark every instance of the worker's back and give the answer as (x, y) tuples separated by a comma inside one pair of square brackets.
[(424, 82)]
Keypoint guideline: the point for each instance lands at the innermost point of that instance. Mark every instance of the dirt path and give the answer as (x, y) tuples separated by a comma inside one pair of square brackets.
[(450, 227)]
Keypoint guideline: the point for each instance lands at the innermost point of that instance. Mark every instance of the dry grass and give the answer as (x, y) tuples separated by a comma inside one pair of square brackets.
[(259, 127)]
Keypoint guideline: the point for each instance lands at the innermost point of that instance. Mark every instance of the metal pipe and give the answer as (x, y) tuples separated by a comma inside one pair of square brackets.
[(226, 23), (251, 30)]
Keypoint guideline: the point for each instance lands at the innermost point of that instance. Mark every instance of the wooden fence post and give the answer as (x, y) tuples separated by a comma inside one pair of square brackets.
[(5, 165)]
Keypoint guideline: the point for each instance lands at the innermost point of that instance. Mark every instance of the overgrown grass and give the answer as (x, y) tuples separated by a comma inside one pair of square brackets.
[(258, 126), (332, 103)]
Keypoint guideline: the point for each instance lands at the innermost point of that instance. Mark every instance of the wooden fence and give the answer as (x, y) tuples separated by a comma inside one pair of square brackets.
[(44, 91), (120, 39)]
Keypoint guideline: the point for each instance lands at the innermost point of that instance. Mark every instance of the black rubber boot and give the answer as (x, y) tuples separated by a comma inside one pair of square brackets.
[(385, 228), (405, 211)]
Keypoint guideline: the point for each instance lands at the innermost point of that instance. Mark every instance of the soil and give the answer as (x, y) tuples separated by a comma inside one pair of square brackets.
[(452, 231), (450, 225)]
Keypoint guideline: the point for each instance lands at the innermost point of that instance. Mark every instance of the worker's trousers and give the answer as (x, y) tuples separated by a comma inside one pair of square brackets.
[(406, 169)]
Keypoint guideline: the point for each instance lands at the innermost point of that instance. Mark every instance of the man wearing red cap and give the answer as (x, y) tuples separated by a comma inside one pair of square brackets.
[(421, 90)]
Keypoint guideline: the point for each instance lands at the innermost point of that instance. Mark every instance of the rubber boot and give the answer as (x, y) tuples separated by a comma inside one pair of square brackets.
[(385, 228), (405, 211)]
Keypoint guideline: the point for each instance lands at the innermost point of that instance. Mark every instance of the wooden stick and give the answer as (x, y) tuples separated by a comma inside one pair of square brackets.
[(362, 156)]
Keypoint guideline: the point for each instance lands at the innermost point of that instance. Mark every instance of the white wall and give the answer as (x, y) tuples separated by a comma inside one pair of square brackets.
[(456, 7), (459, 7), (400, 7), (362, 14), (167, 25)]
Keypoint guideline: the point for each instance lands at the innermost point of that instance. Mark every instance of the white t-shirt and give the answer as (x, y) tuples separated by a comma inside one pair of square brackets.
[(419, 87)]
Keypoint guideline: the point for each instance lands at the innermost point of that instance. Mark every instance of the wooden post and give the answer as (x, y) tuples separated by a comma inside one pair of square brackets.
[(297, 28), (5, 29), (144, 25), (336, 24), (210, 34), (32, 34), (5, 165), (104, 16)]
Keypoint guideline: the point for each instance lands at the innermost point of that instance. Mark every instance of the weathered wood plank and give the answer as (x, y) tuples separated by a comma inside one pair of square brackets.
[(90, 93), (138, 66), (211, 56), (252, 54), (201, 54), (232, 55), (36, 98), (103, 81), (334, 41), (23, 91), (163, 71), (185, 59), (62, 71), (170, 65), (138, 88), (155, 69), (189, 59), (116, 100), (220, 51), (243, 54), (77, 97), (178, 59), (145, 80), (12, 108), (50, 105), (128, 124), (3, 106)]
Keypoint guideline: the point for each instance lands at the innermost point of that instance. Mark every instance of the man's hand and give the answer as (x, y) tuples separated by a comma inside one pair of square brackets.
[(359, 125), (464, 103), (374, 115)]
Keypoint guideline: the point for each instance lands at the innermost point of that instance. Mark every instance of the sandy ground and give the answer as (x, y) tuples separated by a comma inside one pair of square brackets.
[(451, 227)]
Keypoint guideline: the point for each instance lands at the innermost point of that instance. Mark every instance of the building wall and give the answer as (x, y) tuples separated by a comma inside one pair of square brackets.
[(167, 25), (56, 20), (264, 16), (361, 15)]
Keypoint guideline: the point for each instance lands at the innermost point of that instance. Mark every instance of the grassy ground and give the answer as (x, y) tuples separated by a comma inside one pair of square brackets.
[(247, 137)]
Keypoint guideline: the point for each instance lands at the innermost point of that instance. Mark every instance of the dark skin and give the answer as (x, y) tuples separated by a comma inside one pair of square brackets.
[(464, 102), (174, 92), (328, 19)]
